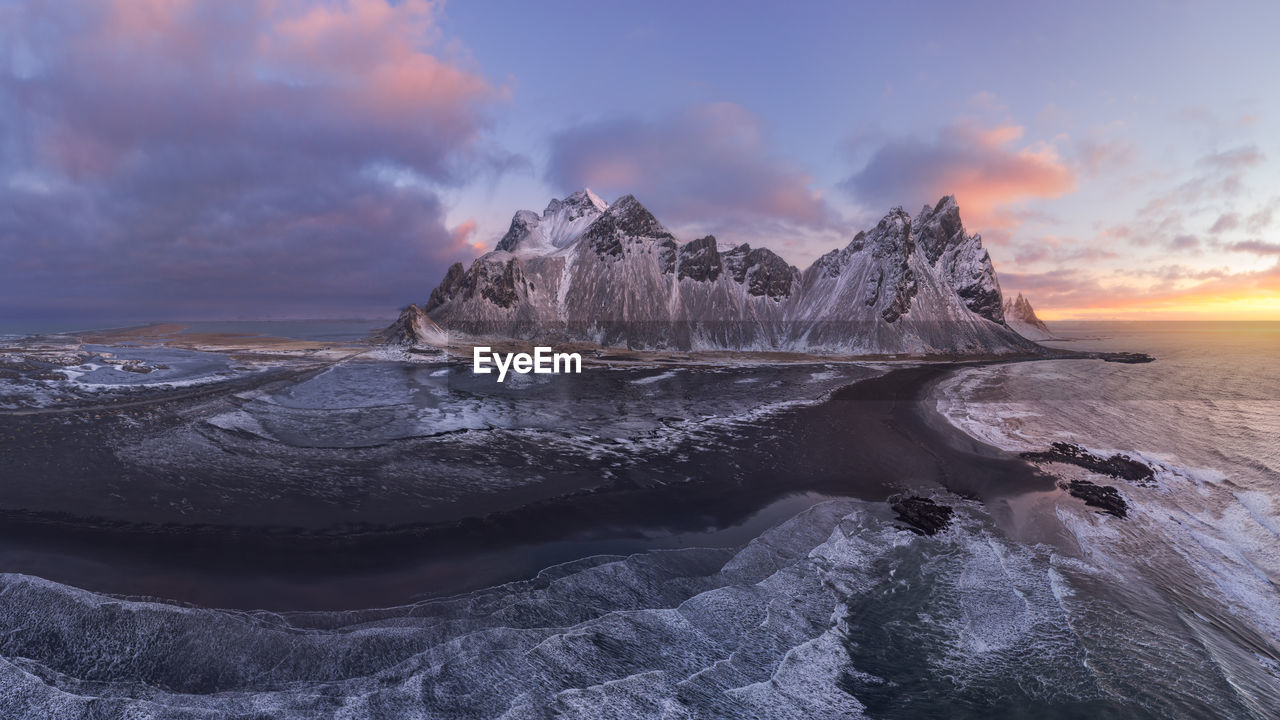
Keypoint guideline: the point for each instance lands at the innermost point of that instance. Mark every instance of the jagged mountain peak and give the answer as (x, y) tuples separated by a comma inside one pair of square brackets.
[(939, 228), (626, 220), (615, 275), (1023, 319), (1020, 308), (959, 257), (891, 236), (581, 202), (628, 208), (562, 222), (414, 329)]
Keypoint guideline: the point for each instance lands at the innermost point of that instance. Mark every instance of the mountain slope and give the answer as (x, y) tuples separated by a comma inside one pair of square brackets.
[(415, 329), (614, 275)]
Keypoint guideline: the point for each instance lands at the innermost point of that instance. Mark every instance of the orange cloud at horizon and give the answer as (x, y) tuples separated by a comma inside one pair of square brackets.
[(1243, 296), (1256, 309)]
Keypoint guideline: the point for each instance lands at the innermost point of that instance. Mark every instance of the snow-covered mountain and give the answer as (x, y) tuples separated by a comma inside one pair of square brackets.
[(1022, 318), (612, 274)]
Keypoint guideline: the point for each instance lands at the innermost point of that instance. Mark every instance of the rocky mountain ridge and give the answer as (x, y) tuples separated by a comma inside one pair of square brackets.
[(585, 270)]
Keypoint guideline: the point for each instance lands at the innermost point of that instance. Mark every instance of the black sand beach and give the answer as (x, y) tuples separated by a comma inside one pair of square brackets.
[(867, 440)]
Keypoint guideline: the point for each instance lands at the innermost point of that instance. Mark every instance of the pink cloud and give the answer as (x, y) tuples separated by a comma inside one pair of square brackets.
[(124, 76), (708, 163), (181, 149), (461, 241), (987, 168)]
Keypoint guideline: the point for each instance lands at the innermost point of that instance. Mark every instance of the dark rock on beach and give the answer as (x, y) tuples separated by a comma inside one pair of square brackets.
[(1116, 466), (1104, 497), (1125, 357), (924, 516)]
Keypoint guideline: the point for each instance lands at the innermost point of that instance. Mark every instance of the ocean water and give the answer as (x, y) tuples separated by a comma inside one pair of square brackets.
[(1177, 604), (336, 330), (1038, 607)]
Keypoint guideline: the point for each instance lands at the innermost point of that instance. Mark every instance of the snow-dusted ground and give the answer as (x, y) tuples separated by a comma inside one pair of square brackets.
[(44, 375), (786, 627), (361, 404)]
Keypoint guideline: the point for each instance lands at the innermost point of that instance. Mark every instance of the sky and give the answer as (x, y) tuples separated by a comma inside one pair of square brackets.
[(189, 159)]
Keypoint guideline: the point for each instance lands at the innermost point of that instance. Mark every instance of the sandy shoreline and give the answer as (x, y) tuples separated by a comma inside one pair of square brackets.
[(868, 440)]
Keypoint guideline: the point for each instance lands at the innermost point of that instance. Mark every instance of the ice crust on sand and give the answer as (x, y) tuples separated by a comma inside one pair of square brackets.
[(770, 629)]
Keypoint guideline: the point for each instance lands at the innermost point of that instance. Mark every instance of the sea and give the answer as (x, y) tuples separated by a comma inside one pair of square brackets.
[(331, 330), (1035, 607), (1177, 605)]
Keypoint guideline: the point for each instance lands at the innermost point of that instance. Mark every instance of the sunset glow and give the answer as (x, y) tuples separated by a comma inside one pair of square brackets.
[(368, 144)]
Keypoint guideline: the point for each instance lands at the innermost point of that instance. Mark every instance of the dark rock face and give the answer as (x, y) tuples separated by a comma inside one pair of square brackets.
[(700, 261), (770, 275), (667, 251), (834, 262), (606, 240), (924, 516), (736, 262), (940, 229), (445, 290), (1104, 497), (762, 270), (521, 224), (895, 284), (625, 218), (983, 299), (946, 245), (503, 290), (1116, 466)]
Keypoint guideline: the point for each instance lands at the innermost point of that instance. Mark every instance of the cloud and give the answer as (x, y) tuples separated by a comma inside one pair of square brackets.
[(1261, 220), (1178, 291), (1225, 222), (1221, 175), (1216, 179), (1256, 246), (709, 164), (987, 168), (1050, 248), (1095, 154), (194, 157), (1245, 156), (460, 240)]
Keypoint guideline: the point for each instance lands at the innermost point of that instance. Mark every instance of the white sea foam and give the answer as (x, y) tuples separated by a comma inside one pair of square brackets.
[(654, 378)]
